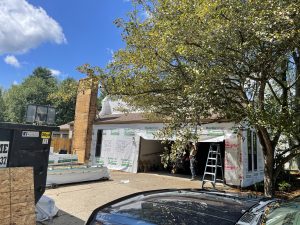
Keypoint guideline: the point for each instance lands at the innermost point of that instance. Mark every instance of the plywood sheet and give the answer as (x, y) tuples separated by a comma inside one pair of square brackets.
[(5, 212), (22, 196), (4, 199), (21, 178), (17, 206), (25, 220), (5, 221), (22, 209)]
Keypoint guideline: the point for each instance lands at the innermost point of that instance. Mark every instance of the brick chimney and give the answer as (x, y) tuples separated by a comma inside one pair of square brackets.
[(85, 114)]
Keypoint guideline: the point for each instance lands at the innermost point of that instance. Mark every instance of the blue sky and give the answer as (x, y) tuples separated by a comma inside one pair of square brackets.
[(58, 34)]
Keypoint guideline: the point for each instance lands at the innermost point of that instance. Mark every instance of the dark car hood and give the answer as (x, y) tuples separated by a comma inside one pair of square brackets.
[(174, 207)]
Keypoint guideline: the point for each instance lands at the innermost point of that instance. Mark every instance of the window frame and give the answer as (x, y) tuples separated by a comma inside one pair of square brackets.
[(252, 151)]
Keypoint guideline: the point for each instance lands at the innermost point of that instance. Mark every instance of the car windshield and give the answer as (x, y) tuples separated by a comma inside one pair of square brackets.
[(284, 213), (177, 207)]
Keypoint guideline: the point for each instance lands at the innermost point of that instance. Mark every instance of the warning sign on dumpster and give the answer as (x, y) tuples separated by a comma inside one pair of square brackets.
[(46, 135), (4, 148)]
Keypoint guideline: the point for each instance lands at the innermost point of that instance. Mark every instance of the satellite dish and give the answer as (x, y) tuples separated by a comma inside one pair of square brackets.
[(39, 114)]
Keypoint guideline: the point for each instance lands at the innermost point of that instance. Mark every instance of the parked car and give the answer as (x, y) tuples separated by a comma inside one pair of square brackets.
[(189, 207)]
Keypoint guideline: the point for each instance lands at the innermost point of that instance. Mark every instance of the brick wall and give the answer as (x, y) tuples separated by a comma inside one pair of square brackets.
[(85, 113)]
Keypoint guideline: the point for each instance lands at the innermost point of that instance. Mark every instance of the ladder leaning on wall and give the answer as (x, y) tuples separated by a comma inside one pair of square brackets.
[(213, 162)]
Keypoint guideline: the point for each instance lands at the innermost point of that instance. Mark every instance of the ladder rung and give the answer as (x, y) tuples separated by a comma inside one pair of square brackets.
[(212, 158), (213, 165), (207, 180), (210, 173), (216, 152)]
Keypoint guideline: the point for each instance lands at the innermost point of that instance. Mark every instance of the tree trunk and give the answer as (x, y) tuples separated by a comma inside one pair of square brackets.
[(269, 178), (268, 152)]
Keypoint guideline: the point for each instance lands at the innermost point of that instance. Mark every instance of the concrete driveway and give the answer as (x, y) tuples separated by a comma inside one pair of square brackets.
[(77, 202)]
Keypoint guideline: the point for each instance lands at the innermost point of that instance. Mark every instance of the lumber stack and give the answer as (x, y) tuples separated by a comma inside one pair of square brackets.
[(17, 206)]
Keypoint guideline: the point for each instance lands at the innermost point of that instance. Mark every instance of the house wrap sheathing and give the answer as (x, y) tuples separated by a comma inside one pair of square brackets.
[(123, 141)]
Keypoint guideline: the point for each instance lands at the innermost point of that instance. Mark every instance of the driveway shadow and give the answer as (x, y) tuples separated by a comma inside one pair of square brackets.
[(63, 218)]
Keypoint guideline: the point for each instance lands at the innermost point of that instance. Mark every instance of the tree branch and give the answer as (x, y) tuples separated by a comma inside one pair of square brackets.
[(273, 92)]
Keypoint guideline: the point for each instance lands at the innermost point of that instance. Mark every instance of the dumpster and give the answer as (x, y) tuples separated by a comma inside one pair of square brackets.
[(23, 145)]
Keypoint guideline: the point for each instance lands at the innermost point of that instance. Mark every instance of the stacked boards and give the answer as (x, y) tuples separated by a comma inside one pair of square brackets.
[(17, 204)]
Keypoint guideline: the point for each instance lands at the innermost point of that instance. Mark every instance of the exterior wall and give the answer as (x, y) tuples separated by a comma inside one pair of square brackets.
[(85, 113), (233, 166), (236, 155), (116, 141), (120, 145), (232, 157)]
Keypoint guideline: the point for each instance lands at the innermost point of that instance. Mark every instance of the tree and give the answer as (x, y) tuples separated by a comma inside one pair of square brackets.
[(2, 106), (35, 89), (42, 88), (43, 73), (64, 100), (234, 59)]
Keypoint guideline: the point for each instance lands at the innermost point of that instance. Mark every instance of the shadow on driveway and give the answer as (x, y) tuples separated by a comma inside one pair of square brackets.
[(63, 218)]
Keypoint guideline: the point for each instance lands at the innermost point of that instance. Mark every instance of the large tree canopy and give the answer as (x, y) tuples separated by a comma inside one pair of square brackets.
[(2, 106), (41, 88), (33, 90), (64, 100), (238, 60)]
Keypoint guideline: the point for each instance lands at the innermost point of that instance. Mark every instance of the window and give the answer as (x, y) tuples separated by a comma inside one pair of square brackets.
[(252, 150), (249, 148), (55, 135), (99, 142)]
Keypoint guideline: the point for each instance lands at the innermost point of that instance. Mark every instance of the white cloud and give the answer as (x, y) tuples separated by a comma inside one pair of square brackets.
[(12, 60), (15, 82), (24, 26), (55, 72)]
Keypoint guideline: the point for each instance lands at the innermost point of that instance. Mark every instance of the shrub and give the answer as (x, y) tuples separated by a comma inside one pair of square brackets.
[(259, 186), (284, 186)]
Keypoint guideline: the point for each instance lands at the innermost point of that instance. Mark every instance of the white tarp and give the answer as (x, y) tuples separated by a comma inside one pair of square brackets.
[(45, 209), (55, 158), (65, 175)]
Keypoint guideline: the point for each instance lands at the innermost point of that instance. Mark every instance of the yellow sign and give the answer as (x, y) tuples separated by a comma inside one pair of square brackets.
[(46, 135)]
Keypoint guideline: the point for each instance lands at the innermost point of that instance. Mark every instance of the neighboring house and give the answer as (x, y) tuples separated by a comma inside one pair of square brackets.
[(127, 141), (62, 139)]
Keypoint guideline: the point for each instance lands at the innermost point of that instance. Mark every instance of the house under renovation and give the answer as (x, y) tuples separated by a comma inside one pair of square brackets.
[(127, 142)]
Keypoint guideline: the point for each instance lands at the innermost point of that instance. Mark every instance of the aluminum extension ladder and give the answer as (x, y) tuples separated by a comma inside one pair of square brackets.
[(213, 162)]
